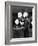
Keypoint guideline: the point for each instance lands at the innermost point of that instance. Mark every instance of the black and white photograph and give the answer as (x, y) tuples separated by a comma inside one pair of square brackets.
[(20, 22)]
